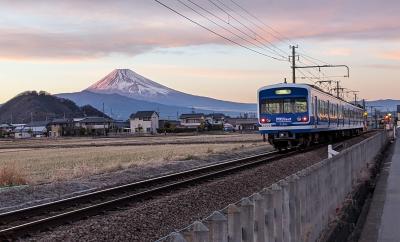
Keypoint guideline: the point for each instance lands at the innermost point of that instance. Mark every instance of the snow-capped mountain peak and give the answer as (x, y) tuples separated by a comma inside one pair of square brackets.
[(128, 82)]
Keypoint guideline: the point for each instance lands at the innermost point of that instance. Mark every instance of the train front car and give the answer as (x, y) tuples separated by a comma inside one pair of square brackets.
[(284, 114)]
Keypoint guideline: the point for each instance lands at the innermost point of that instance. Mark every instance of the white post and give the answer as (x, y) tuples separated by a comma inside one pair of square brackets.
[(331, 151)]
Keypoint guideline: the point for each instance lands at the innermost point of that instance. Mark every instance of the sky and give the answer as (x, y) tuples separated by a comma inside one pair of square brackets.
[(65, 46)]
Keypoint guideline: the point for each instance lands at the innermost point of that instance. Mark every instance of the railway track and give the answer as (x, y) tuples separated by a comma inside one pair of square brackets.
[(22, 222)]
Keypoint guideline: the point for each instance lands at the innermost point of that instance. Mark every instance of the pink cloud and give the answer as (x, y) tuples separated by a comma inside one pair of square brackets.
[(391, 55), (66, 29)]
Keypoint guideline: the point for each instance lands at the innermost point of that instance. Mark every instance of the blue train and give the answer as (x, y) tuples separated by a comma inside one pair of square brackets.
[(293, 115)]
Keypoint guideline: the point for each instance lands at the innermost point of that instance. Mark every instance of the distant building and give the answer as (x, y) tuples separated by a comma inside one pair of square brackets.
[(144, 122), (215, 118), (62, 127), (38, 129), (192, 120), (5, 130), (20, 131), (245, 124), (94, 125), (121, 127), (165, 123)]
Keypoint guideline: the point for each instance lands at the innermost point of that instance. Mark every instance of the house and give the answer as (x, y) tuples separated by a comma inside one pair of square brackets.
[(5, 130), (61, 127), (38, 129), (192, 120), (165, 123), (121, 126), (93, 125), (216, 118), (20, 131), (243, 124), (144, 122)]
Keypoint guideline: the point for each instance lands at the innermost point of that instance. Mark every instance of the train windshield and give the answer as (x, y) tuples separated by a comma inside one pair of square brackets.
[(287, 105)]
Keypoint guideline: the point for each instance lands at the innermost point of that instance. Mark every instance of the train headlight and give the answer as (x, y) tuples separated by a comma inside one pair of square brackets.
[(264, 120), (298, 119)]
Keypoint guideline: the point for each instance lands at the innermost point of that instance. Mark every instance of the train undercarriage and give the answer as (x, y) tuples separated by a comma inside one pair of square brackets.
[(287, 140)]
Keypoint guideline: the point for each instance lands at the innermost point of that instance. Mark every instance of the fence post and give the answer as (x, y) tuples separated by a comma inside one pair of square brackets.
[(269, 214), (294, 222), (234, 226), (302, 203), (259, 218), (277, 202), (218, 227), (285, 210), (247, 220), (200, 232)]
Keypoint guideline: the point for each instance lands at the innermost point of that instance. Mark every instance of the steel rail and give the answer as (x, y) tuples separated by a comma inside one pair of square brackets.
[(150, 188)]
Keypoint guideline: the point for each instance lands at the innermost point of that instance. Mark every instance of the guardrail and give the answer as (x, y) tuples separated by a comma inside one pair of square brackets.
[(297, 208)]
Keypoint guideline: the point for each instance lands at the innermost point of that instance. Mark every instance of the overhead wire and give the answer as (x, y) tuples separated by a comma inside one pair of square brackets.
[(226, 29), (277, 34), (248, 28), (282, 38), (216, 33), (255, 24)]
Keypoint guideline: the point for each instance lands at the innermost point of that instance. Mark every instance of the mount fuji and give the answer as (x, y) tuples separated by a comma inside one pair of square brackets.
[(124, 91)]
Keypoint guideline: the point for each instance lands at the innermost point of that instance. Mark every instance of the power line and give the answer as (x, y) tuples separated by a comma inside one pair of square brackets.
[(282, 38), (304, 75), (226, 29), (252, 22), (226, 22), (310, 71), (310, 57), (249, 29), (212, 31)]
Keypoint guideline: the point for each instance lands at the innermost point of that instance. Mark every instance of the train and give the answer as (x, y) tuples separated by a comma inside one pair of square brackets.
[(297, 115)]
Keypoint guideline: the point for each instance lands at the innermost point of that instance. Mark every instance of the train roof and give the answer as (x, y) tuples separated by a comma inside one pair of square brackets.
[(306, 86)]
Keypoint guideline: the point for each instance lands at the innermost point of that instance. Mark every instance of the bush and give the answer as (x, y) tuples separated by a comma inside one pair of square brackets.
[(176, 130), (11, 176)]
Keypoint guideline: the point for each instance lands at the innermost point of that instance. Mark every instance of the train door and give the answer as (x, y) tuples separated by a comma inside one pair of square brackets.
[(329, 113), (316, 113), (337, 115)]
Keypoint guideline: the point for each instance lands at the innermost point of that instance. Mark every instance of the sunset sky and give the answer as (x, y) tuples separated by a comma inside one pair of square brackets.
[(65, 46)]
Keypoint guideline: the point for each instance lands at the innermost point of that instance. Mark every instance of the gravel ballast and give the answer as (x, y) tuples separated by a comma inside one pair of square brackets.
[(156, 218)]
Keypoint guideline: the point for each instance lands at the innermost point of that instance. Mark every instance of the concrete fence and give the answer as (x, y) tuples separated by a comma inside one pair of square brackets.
[(297, 208)]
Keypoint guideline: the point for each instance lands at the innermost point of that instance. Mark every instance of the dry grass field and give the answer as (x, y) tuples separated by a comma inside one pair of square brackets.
[(34, 166), (129, 140)]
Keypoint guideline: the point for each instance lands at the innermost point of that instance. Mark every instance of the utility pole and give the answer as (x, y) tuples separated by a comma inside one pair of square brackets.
[(337, 89), (355, 98), (294, 63)]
